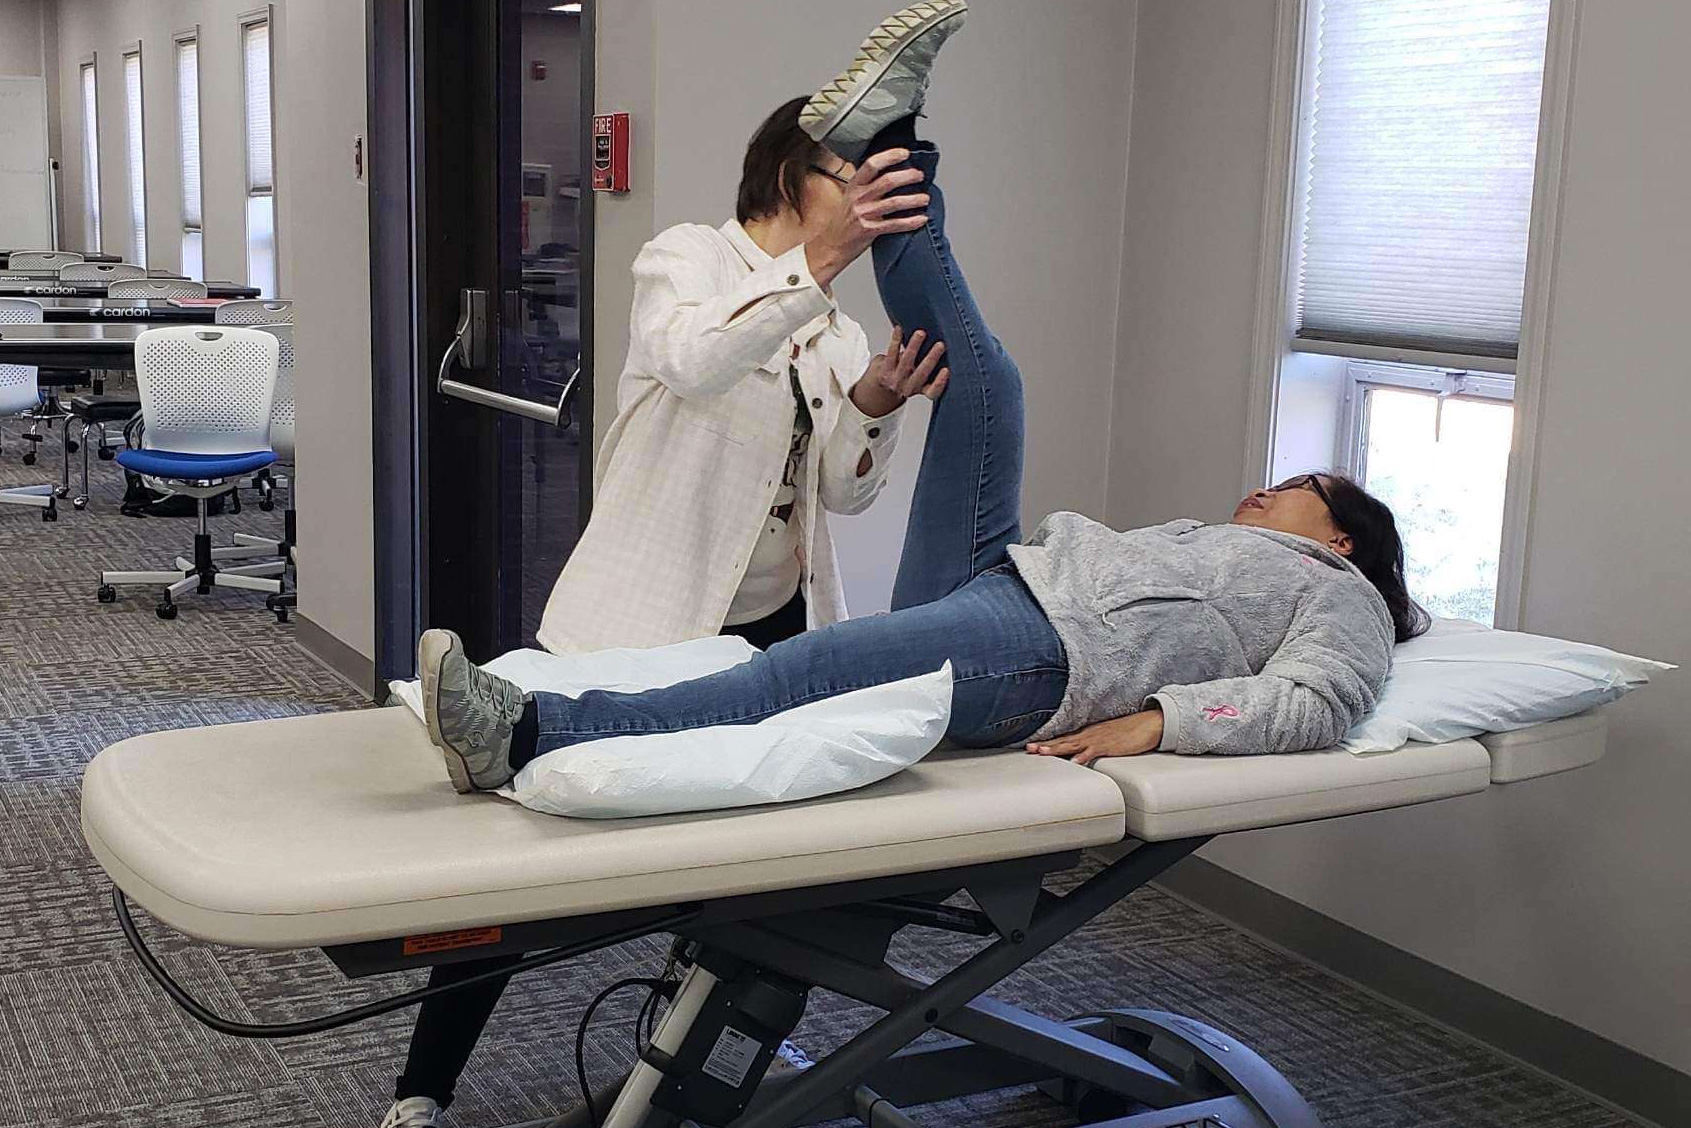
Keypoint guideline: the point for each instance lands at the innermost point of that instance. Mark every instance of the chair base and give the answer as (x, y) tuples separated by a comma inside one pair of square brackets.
[(199, 575), (44, 498)]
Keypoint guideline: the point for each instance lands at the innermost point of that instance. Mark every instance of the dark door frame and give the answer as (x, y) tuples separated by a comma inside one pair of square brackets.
[(440, 163)]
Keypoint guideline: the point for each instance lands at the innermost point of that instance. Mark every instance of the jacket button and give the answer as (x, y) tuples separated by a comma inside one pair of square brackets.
[(792, 280), (874, 432), (816, 402)]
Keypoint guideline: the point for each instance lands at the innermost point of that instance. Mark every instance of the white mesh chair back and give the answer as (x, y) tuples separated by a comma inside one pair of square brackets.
[(256, 311), (282, 408), (155, 289), (42, 260), (206, 390), (100, 272), (18, 390)]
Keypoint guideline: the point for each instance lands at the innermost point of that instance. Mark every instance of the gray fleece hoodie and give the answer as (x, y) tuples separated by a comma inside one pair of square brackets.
[(1248, 639)]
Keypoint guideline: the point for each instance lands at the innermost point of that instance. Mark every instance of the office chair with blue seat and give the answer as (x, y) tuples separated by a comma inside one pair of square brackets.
[(246, 545), (20, 395), (257, 312), (206, 398)]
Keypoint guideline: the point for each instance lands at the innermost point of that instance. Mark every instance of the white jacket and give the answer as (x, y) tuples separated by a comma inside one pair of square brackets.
[(705, 413)]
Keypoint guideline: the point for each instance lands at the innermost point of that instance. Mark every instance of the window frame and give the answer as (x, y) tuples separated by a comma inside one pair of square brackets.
[(245, 21), (178, 41), (1364, 376), (93, 220), (135, 146), (1275, 323)]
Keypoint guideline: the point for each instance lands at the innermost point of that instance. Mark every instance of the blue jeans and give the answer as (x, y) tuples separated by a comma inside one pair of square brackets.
[(957, 597)]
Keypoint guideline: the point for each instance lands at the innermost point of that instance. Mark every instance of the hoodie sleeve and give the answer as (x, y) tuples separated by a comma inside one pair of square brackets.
[(1324, 678)]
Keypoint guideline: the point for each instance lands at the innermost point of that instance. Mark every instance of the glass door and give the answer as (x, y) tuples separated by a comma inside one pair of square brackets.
[(482, 232)]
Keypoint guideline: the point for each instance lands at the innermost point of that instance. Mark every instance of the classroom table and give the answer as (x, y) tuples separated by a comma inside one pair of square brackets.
[(87, 256), (31, 288), (117, 312), (70, 346)]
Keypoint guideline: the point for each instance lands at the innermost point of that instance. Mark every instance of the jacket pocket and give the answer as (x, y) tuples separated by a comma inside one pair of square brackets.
[(1114, 605), (721, 427)]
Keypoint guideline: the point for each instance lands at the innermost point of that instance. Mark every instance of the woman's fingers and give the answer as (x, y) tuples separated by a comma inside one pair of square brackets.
[(879, 209), (903, 223), (873, 180), (920, 376), (936, 389)]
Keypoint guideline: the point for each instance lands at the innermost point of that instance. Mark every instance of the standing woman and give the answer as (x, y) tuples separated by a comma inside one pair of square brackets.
[(750, 408)]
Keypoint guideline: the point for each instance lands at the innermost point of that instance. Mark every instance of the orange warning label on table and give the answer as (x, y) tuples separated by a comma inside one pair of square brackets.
[(446, 941)]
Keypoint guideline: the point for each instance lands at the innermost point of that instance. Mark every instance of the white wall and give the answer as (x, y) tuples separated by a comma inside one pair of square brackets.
[(322, 232), (1568, 893), (1041, 251)]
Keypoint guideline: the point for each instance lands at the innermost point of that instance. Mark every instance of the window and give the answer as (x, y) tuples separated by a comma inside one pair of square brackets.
[(1414, 191), (1434, 445), (261, 189), (90, 156), (188, 143), (135, 154)]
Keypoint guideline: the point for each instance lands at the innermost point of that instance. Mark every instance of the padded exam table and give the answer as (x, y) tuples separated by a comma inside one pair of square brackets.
[(340, 831)]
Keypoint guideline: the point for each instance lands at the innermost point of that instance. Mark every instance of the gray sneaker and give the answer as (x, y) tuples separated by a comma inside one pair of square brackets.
[(415, 1112), (470, 713), (886, 81)]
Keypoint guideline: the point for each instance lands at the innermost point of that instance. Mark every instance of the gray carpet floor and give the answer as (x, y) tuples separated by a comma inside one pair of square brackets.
[(87, 1041)]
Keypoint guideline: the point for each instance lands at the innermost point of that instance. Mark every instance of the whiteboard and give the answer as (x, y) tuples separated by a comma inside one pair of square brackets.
[(26, 186)]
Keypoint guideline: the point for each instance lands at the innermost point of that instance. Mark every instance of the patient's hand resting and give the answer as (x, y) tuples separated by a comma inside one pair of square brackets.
[(1124, 736)]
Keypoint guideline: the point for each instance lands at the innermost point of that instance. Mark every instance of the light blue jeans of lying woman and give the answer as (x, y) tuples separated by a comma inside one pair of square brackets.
[(957, 597)]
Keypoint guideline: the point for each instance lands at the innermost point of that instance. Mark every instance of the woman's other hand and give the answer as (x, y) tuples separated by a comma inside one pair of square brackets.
[(899, 373), (1124, 736), (865, 204)]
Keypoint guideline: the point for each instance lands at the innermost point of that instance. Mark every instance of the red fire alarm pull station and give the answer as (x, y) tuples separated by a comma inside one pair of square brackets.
[(610, 152)]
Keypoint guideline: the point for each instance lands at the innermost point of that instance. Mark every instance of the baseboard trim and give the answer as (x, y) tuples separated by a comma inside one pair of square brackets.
[(352, 667), (1606, 1071)]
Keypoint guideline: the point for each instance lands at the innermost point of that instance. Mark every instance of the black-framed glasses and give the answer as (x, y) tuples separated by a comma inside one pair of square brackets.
[(1310, 482), (830, 175)]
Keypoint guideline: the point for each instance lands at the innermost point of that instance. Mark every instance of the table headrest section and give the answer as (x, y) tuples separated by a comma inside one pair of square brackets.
[(1172, 796), (342, 827), (1544, 749)]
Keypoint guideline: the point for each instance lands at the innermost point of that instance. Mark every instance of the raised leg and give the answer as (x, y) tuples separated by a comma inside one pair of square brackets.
[(967, 508)]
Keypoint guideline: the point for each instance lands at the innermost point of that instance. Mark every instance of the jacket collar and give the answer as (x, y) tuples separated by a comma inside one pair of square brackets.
[(755, 257)]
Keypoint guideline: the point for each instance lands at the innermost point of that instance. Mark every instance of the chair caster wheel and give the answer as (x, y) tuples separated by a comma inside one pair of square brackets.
[(51, 513), (167, 610), (106, 594), (79, 503), (61, 491), (106, 454), (267, 505), (281, 614), (29, 459), (72, 446)]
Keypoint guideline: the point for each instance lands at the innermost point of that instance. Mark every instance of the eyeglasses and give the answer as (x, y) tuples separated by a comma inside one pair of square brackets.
[(1311, 482), (830, 175)]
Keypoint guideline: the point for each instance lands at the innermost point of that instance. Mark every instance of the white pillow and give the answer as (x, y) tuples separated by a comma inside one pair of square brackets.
[(836, 744), (1462, 679), (827, 746)]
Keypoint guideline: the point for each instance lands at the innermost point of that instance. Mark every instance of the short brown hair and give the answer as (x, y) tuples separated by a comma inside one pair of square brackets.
[(778, 159)]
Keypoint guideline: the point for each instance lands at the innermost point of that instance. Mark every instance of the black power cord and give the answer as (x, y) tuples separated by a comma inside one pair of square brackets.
[(656, 985)]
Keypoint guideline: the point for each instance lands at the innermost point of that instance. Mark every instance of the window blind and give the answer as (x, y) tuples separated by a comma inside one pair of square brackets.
[(91, 156), (136, 153), (188, 130), (1418, 183), (255, 46)]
